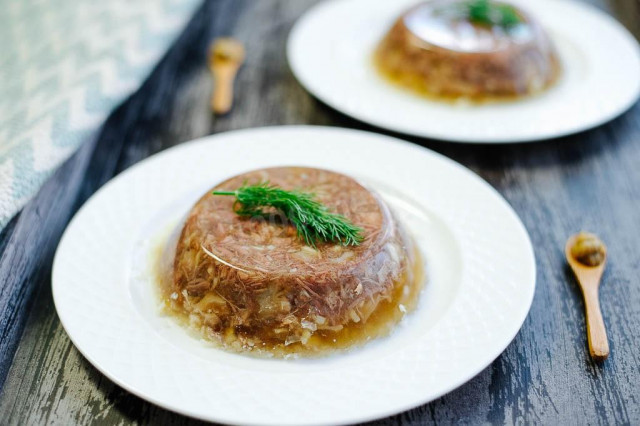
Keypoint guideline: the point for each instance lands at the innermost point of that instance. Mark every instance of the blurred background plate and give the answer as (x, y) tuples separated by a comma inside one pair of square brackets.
[(330, 52)]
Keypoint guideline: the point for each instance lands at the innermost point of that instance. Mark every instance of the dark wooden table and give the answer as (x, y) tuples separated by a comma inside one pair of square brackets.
[(587, 181)]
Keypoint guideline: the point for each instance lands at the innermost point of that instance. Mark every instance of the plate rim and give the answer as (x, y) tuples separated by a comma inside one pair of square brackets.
[(411, 403), (306, 83)]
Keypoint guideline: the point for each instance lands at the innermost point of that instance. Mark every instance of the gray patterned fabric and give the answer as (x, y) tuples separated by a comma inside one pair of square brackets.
[(64, 65)]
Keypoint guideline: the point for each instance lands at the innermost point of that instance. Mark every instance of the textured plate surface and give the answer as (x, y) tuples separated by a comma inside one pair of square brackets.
[(479, 261), (330, 49)]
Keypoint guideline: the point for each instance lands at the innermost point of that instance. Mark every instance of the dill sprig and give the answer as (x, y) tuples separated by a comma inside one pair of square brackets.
[(487, 12), (313, 220)]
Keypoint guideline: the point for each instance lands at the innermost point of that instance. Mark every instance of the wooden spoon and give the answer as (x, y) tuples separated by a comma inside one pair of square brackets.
[(588, 271), (226, 55)]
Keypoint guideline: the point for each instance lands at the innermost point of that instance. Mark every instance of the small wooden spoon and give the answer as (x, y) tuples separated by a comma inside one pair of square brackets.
[(226, 55), (588, 276)]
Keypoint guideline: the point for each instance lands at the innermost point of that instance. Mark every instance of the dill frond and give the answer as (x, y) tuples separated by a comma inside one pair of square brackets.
[(487, 12), (313, 220)]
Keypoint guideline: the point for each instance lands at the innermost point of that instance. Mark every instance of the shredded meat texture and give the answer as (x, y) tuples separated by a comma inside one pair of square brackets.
[(254, 282), (503, 67)]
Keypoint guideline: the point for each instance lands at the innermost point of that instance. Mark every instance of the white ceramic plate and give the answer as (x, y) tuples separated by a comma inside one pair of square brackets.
[(330, 50), (478, 257)]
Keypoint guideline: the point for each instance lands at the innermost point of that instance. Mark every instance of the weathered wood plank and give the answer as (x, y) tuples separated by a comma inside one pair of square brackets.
[(590, 180)]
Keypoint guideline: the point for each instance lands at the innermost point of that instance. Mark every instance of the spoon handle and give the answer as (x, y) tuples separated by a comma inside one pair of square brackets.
[(222, 97), (596, 332)]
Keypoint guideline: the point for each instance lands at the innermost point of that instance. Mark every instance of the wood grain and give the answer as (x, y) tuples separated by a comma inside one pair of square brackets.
[(587, 181)]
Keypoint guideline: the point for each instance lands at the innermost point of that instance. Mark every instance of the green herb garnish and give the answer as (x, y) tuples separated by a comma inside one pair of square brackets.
[(487, 12), (313, 220)]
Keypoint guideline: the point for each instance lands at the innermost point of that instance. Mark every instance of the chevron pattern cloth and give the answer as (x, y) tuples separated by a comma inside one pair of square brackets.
[(64, 65)]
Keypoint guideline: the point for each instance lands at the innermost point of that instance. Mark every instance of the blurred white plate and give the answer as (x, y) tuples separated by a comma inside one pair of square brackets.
[(479, 262), (330, 50)]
